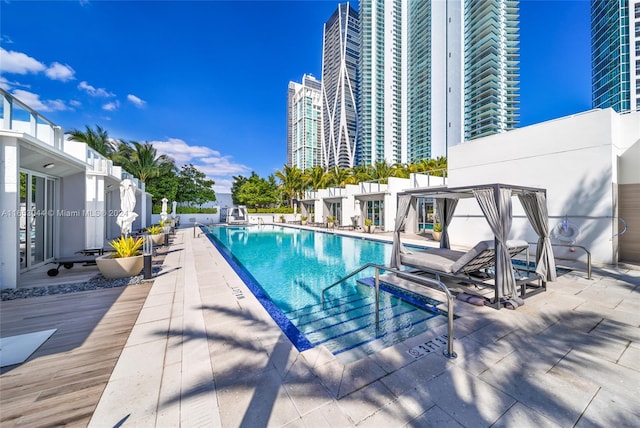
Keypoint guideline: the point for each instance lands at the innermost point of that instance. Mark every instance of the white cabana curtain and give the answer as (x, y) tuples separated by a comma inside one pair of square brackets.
[(404, 202), (499, 216), (535, 206), (446, 208)]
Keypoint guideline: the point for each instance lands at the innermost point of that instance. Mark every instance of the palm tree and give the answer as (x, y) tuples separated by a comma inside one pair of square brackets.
[(121, 154), (144, 162), (98, 140), (382, 171), (361, 173), (340, 177), (291, 182), (315, 178)]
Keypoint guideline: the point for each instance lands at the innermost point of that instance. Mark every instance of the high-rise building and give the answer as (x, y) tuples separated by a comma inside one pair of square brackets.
[(340, 55), (615, 54), (381, 87), (491, 67), (304, 123), (433, 74)]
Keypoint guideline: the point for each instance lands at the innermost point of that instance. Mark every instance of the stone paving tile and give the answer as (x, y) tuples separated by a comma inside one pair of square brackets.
[(435, 417), (364, 403), (258, 400), (606, 374), (609, 409), (401, 411), (522, 416), (559, 397), (476, 357), (416, 374), (328, 416), (149, 331), (469, 400), (631, 358)]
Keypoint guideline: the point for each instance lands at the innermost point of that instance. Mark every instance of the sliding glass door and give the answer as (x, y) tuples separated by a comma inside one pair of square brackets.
[(37, 195)]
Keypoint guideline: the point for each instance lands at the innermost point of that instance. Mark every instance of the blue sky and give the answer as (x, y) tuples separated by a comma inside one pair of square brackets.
[(206, 81)]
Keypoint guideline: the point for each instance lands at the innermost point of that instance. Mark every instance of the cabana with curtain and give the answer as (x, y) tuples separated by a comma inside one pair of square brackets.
[(495, 201)]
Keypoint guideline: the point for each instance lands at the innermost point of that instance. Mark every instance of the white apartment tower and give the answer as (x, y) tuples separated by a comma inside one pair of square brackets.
[(340, 54), (304, 123), (434, 73)]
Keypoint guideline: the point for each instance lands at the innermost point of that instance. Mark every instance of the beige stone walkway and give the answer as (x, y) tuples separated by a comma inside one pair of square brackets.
[(204, 352)]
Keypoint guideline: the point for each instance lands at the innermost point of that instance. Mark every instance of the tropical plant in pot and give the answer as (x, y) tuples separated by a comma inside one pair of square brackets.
[(282, 219), (303, 219), (330, 221), (368, 225), (437, 231), (126, 259), (157, 234)]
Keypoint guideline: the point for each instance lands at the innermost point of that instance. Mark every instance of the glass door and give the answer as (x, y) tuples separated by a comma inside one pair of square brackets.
[(36, 219)]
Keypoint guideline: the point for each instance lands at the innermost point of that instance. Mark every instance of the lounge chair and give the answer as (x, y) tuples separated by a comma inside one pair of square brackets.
[(473, 266)]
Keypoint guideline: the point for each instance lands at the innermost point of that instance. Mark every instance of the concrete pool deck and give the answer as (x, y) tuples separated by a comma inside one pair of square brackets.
[(203, 352)]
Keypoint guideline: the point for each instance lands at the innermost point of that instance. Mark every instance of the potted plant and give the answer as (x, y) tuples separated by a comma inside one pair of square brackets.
[(157, 234), (303, 219), (368, 225), (436, 234), (125, 261), (330, 221), (282, 219)]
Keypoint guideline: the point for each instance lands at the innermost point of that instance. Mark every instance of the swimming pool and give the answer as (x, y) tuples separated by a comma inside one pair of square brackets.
[(287, 269)]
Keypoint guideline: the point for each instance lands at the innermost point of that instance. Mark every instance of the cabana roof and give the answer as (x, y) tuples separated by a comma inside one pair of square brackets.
[(465, 192)]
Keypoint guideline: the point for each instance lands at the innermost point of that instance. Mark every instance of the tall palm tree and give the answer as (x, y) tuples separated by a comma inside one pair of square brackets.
[(98, 140), (145, 162), (292, 183), (315, 178), (381, 171), (340, 177), (361, 173)]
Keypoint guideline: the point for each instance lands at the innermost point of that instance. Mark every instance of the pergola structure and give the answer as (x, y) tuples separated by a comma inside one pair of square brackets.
[(495, 201)]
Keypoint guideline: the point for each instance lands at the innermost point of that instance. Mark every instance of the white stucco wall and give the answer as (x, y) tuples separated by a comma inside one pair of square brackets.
[(72, 226), (9, 203), (574, 158)]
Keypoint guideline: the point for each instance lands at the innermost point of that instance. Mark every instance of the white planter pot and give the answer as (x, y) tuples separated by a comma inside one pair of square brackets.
[(121, 267), (158, 239)]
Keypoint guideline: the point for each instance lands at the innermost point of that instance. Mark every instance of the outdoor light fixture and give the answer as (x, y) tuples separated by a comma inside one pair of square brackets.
[(48, 165)]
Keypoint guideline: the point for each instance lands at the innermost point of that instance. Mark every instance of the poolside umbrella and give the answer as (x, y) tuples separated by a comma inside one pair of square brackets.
[(174, 205), (127, 204), (163, 213)]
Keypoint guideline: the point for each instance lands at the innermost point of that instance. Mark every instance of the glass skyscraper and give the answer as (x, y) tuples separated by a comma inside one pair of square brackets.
[(340, 55), (304, 123), (491, 67), (433, 74), (615, 54)]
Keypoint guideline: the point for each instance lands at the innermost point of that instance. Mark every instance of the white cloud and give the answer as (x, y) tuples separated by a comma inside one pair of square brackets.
[(75, 103), (95, 92), (136, 101), (222, 185), (111, 106), (34, 101), (19, 63), (57, 71), (216, 166)]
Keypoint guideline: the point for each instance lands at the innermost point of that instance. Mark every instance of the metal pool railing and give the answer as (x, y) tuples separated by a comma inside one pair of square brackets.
[(449, 353)]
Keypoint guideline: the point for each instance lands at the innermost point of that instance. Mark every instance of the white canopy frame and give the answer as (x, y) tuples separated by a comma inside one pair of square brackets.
[(495, 202)]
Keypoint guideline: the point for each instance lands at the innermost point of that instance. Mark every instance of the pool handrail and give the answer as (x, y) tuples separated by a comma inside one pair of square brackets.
[(449, 353)]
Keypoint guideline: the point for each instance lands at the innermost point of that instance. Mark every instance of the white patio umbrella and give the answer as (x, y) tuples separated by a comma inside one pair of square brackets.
[(163, 213), (127, 204), (174, 205)]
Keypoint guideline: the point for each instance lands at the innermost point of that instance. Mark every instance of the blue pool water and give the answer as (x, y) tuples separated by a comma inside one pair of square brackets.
[(287, 268)]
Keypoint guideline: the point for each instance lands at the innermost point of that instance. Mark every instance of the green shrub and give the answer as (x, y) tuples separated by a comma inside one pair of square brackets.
[(437, 227), (126, 247), (154, 230)]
